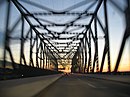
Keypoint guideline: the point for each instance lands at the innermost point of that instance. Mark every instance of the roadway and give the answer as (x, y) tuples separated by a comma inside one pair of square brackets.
[(82, 86)]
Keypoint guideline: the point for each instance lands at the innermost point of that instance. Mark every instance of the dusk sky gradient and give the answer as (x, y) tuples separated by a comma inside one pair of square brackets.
[(116, 22)]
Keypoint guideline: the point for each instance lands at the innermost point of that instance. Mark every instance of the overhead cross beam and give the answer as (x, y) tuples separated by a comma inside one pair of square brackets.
[(76, 39)]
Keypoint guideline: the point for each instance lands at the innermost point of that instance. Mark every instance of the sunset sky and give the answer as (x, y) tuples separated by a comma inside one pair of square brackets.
[(116, 29)]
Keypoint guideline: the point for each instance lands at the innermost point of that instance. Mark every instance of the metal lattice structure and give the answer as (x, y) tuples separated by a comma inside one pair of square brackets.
[(73, 42)]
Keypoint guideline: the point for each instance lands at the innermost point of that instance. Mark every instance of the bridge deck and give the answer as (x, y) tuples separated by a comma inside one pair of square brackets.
[(83, 86), (71, 85)]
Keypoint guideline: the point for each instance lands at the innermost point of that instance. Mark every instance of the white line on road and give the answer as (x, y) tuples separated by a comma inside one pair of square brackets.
[(87, 83), (91, 85)]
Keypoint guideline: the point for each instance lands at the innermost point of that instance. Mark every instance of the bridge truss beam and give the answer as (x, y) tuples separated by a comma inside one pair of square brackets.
[(45, 45)]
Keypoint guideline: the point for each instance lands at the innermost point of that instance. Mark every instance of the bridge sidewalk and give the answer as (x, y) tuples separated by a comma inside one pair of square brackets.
[(26, 87)]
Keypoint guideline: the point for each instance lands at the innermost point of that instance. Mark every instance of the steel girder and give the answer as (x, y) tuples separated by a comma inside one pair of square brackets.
[(43, 40)]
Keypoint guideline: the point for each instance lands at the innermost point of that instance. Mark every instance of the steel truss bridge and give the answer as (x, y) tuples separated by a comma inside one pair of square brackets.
[(52, 37)]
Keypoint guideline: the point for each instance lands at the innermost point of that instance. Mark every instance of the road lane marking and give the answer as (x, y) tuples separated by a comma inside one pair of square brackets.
[(91, 85), (87, 83)]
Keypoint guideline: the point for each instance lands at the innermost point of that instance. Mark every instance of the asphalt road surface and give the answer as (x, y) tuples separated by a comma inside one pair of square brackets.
[(82, 86)]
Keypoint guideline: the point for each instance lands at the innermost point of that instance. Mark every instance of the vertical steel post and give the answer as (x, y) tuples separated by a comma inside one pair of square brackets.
[(22, 41), (107, 36), (48, 63), (22, 57), (37, 51), (6, 41), (82, 55), (96, 46), (90, 59), (31, 47), (43, 55), (106, 48), (46, 58), (56, 65), (79, 57), (40, 54), (85, 54)]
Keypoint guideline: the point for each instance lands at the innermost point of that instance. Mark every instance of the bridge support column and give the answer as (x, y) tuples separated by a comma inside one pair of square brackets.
[(96, 47), (89, 68), (106, 48)]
